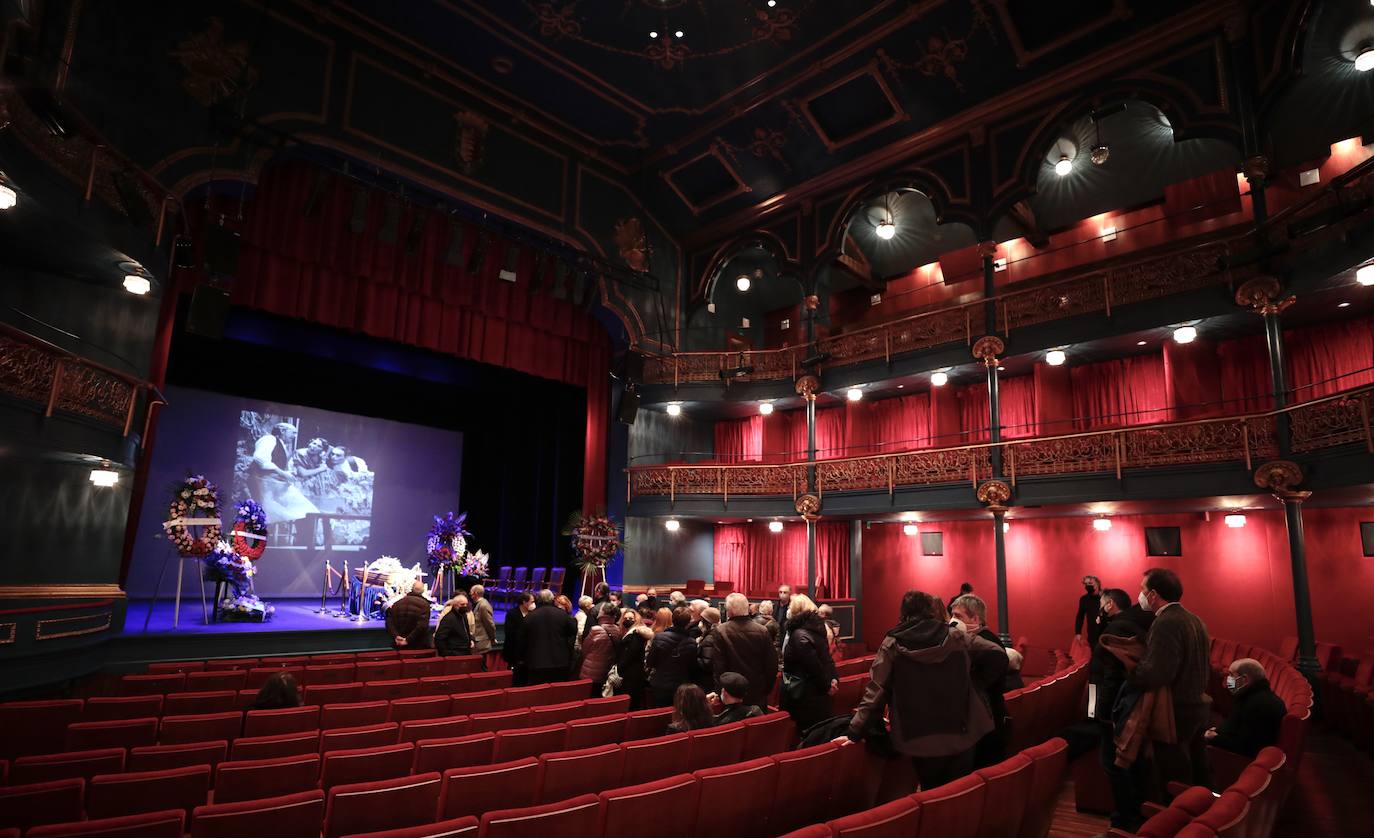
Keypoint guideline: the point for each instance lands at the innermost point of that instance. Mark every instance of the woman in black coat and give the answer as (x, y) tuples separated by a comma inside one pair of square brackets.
[(808, 671), (635, 639), (671, 660)]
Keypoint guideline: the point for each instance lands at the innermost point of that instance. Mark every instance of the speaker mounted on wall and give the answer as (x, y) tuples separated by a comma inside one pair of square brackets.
[(629, 406), (1163, 541)]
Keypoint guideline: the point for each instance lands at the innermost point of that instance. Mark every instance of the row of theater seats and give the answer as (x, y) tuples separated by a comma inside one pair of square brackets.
[(1247, 808), (1347, 688)]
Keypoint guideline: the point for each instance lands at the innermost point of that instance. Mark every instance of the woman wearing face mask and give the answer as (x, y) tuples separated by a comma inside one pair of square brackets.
[(1089, 612)]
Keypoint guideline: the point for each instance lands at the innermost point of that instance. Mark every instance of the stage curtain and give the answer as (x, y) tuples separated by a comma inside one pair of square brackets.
[(1192, 380), (1118, 393), (832, 559), (1246, 385), (1330, 358), (758, 560), (830, 437), (1016, 407), (739, 440), (900, 424)]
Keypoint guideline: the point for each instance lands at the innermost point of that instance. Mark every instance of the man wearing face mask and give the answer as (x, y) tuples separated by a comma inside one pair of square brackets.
[(1089, 611), (454, 635), (1176, 656), (1255, 715), (972, 612)]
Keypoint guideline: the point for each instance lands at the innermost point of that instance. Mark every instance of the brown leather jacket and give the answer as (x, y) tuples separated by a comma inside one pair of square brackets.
[(408, 617)]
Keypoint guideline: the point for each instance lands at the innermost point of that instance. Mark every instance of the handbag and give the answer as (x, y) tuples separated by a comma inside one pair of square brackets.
[(793, 687), (613, 682)]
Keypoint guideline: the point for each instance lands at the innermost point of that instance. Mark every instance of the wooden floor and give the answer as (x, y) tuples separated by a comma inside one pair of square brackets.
[(1333, 798)]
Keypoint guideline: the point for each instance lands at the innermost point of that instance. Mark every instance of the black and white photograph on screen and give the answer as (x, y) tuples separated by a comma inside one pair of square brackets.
[(316, 490)]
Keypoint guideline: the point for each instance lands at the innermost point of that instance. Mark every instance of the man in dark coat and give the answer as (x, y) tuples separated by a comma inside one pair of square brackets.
[(970, 610), (1106, 676), (407, 620), (1255, 713), (671, 660), (734, 691), (741, 646), (932, 678), (1086, 623), (513, 649), (454, 633), (548, 636)]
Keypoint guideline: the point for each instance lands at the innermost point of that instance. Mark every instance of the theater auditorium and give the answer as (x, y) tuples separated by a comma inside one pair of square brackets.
[(731, 418)]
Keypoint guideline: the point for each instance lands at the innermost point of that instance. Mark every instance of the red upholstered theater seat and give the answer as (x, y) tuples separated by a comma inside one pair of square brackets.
[(569, 773), (32, 727), (410, 654), (480, 788), (1008, 792), (851, 689), (224, 664), (514, 698), (117, 707), (1226, 817), (165, 667), (737, 800), (289, 816), (471, 703), (383, 804), (529, 742), (154, 684), (896, 819), (353, 714), (446, 728), (1165, 823), (366, 765), (454, 752), (109, 795), (378, 670), (1049, 760), (575, 818), (329, 673), (281, 745), (805, 780), (769, 734), (441, 685), (363, 736), (601, 730), (168, 823), (392, 689), (952, 809), (201, 727), (596, 707), (287, 720), (670, 804), (43, 768), (126, 733), (462, 664), (643, 724), (57, 801), (162, 757), (454, 828), (578, 689), (549, 714), (815, 830), (334, 693), (419, 707), (498, 680), (258, 675), (377, 655), (421, 667), (714, 746), (655, 758), (503, 720), (194, 703), (254, 779), (228, 679)]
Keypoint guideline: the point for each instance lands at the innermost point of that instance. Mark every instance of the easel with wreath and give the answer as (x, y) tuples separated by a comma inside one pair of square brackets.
[(195, 504), (595, 541)]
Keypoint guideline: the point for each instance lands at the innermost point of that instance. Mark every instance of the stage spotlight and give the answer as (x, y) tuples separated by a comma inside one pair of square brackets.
[(854, 394), (1235, 521), (1102, 524), (1100, 154), (1364, 62), (1140, 343), (1064, 166), (885, 229), (1055, 357), (910, 529), (8, 197), (672, 525), (766, 408), (939, 379), (674, 408), (742, 283), (135, 284), (1365, 275), (1342, 305), (104, 477), (775, 526), (1185, 334)]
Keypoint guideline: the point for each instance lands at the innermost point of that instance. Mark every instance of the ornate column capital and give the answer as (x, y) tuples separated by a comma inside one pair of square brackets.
[(811, 303), (1256, 168), (1264, 296), (807, 386), (809, 507), (987, 348), (994, 493), (987, 249), (1281, 477)]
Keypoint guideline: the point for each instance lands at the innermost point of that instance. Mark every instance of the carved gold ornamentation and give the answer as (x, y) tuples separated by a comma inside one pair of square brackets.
[(809, 507), (215, 70), (58, 627), (987, 249), (1278, 476), (632, 244), (1256, 168), (812, 302), (987, 348), (1263, 295), (1331, 422), (29, 372), (470, 145), (994, 493), (807, 386)]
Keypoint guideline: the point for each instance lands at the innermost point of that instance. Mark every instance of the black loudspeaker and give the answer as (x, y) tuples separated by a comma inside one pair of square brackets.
[(221, 251), (634, 367), (629, 407), (1163, 541), (183, 250), (209, 311)]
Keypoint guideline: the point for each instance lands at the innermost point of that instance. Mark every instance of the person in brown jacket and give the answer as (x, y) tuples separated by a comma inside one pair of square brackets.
[(407, 620), (739, 644), (601, 648), (933, 679)]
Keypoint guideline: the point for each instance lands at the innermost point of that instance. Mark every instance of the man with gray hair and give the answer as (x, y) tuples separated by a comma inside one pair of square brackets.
[(694, 626), (483, 623), (739, 644), (1256, 711), (970, 610), (765, 619), (548, 637), (676, 600)]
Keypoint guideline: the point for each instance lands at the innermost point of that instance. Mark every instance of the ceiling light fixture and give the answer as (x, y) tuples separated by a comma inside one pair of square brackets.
[(772, 3), (766, 408), (8, 197), (672, 525), (885, 229), (1102, 524), (1235, 521), (1185, 334), (939, 379), (910, 529), (674, 408), (743, 282), (1364, 62), (1006, 526), (1342, 305), (854, 394), (135, 284), (104, 477), (775, 526), (1064, 166), (678, 33), (653, 35), (1140, 343), (1365, 275), (1055, 357)]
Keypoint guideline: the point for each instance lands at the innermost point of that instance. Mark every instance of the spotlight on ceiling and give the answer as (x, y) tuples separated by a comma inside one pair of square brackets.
[(910, 529), (775, 526), (678, 33), (743, 282), (104, 477), (1235, 521), (672, 525), (1064, 166), (1102, 524), (854, 394), (772, 3), (766, 408), (1342, 305), (1055, 357), (885, 229), (1365, 275), (939, 379), (8, 197), (653, 35), (674, 408), (1140, 343), (135, 284), (1185, 334), (1364, 62)]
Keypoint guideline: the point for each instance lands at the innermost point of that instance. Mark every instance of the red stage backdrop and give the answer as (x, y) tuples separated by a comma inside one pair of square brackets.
[(758, 560)]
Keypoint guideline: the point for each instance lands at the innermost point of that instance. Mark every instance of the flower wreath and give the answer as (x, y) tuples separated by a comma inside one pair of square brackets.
[(447, 541), (595, 540), (250, 520), (195, 497), (222, 564)]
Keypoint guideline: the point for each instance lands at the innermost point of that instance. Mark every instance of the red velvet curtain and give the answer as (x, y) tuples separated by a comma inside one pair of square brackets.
[(1246, 385), (830, 433), (319, 247), (739, 440), (900, 424), (1015, 405), (1126, 391), (1330, 358), (758, 560)]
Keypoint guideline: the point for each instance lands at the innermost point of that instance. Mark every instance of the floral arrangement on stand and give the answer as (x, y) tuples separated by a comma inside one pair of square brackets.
[(250, 530), (595, 539), (475, 564), (223, 564), (448, 540), (193, 498)]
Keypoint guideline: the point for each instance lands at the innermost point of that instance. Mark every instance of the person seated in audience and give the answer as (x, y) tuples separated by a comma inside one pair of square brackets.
[(695, 608), (972, 613), (1012, 680), (599, 647), (635, 638), (454, 634), (766, 619), (513, 650), (808, 670), (740, 647), (734, 695), (548, 634), (407, 620), (1255, 712), (932, 678), (279, 692), (671, 659), (690, 710)]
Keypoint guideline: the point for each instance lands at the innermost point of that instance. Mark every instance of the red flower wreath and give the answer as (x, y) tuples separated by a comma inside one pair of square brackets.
[(250, 521), (195, 497)]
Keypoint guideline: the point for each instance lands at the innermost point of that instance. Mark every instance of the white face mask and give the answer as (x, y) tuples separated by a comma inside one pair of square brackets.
[(958, 625), (1144, 602), (1231, 683)]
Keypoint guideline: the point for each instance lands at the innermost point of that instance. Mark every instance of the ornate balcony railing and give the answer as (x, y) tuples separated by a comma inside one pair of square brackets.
[(1324, 423), (33, 370)]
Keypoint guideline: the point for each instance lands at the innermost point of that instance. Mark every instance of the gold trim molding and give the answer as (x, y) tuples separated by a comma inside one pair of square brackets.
[(8, 633), (54, 591), (40, 630)]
